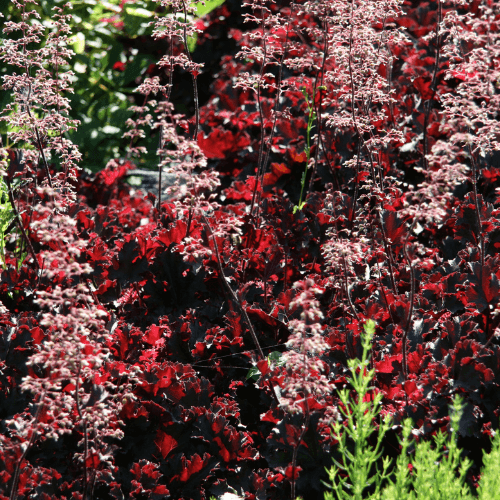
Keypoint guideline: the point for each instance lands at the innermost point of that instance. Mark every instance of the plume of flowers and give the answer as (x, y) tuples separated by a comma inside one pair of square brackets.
[(304, 377), (471, 111), (69, 373), (39, 114)]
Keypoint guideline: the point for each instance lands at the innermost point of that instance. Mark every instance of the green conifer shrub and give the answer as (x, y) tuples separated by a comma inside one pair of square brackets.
[(435, 469)]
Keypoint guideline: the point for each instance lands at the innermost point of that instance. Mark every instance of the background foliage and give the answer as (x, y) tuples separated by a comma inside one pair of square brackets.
[(339, 166), (114, 52)]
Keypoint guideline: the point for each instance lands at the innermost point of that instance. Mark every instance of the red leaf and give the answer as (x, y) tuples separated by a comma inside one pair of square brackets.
[(410, 387), (119, 66), (394, 392), (289, 471), (414, 360), (153, 335), (217, 143), (394, 226), (165, 443), (464, 75), (110, 175), (37, 335), (488, 374), (263, 367), (269, 179), (234, 321), (223, 451), (123, 342), (192, 466), (161, 490), (481, 288), (269, 417), (173, 235), (280, 169), (92, 462), (390, 364), (423, 86), (258, 314), (277, 170), (299, 158), (286, 128), (259, 240)]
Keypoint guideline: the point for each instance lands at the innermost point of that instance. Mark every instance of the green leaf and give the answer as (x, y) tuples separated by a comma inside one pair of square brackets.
[(134, 68), (210, 5), (78, 43), (275, 356), (109, 6), (191, 42), (253, 373), (136, 20), (300, 206), (138, 12)]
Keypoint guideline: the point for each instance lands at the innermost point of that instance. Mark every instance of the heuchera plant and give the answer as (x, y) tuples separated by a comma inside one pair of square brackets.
[(190, 342)]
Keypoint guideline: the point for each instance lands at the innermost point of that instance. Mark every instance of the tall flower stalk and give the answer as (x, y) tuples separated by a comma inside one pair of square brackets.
[(39, 116), (304, 379), (69, 370)]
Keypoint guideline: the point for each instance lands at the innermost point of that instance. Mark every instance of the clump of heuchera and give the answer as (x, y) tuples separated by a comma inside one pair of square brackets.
[(76, 387)]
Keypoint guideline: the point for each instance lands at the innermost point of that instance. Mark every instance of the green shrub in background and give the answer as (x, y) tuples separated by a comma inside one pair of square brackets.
[(6, 215), (108, 67), (8, 227), (103, 90), (438, 471)]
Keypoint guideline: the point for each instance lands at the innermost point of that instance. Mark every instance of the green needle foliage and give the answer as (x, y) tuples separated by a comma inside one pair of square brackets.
[(438, 471), (358, 471), (489, 485)]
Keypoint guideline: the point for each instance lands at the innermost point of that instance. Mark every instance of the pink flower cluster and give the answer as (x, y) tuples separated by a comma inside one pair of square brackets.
[(303, 368)]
